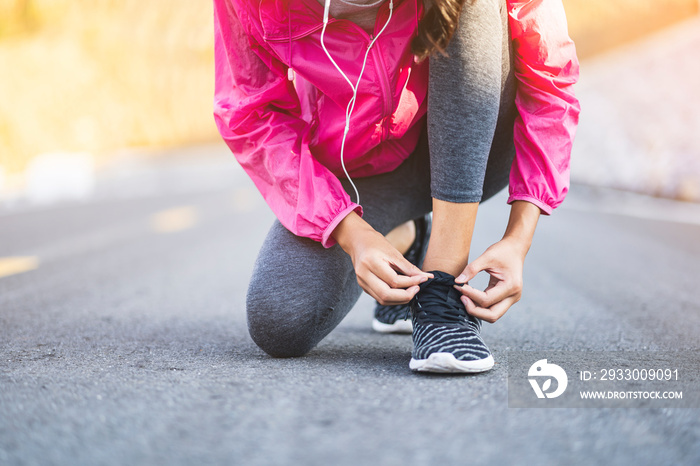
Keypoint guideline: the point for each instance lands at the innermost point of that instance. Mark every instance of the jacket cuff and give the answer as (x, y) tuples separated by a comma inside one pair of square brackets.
[(544, 208), (327, 240)]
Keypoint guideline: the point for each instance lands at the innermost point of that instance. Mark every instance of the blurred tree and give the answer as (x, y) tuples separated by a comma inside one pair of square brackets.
[(98, 75), (598, 25), (16, 16)]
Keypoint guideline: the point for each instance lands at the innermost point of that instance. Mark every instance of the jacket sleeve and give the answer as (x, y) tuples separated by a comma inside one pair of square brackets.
[(257, 110), (546, 68)]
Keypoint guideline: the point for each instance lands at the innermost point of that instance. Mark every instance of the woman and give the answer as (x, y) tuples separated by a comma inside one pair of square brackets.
[(325, 103)]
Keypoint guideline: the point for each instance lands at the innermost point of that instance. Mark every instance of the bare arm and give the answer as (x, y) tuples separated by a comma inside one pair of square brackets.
[(503, 261)]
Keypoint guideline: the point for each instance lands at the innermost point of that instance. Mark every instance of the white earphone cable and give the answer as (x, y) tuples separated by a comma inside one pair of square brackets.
[(351, 105), (362, 5)]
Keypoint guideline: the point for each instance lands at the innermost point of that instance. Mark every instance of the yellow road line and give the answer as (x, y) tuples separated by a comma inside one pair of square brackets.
[(173, 220), (14, 265)]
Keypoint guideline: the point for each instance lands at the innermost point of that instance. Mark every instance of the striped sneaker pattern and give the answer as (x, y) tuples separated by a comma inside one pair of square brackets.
[(464, 343), (392, 319), (446, 338)]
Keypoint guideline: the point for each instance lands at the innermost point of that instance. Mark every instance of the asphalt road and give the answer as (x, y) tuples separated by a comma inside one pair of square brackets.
[(125, 340)]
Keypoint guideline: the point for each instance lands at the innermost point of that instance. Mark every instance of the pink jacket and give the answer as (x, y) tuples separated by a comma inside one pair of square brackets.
[(286, 134)]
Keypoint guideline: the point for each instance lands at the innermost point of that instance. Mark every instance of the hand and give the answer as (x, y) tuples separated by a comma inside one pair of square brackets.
[(504, 263), (382, 271)]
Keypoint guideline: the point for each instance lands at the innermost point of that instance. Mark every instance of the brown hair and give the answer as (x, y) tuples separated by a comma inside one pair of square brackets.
[(436, 28)]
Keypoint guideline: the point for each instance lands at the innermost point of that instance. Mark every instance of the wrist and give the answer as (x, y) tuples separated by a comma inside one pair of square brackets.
[(520, 245), (521, 225), (347, 231)]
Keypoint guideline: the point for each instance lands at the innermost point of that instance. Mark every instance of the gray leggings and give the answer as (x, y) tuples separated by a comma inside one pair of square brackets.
[(470, 134)]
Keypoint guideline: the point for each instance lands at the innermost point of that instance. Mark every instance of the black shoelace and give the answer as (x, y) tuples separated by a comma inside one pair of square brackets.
[(438, 302)]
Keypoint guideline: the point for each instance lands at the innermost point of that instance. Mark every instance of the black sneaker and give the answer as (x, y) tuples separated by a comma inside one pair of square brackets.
[(393, 319), (445, 337)]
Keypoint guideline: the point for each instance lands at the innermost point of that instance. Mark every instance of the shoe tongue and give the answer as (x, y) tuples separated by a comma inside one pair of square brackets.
[(441, 284), (442, 276), (439, 302)]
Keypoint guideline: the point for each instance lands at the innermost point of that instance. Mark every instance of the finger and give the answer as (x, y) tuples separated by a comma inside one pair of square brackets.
[(497, 291), (491, 314), (380, 291), (396, 281), (402, 265), (490, 296), (368, 289), (388, 275), (470, 271)]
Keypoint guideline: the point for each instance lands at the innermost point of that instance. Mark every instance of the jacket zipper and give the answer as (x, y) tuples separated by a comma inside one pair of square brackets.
[(385, 85), (379, 65)]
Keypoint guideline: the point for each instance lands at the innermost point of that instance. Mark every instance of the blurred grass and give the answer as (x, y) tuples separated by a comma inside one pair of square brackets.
[(98, 75)]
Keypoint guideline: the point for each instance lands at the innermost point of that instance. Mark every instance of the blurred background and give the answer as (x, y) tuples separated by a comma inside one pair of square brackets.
[(83, 80), (128, 235)]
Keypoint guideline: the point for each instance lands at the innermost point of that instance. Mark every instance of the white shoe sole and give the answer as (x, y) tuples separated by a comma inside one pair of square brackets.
[(446, 363), (400, 326)]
